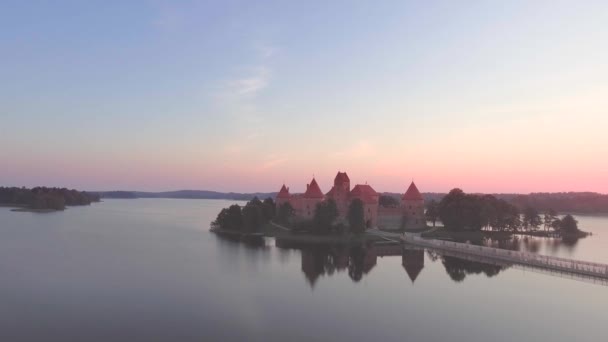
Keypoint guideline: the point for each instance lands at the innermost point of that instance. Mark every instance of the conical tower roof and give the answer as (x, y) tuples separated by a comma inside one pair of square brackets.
[(284, 192), (313, 190), (412, 193)]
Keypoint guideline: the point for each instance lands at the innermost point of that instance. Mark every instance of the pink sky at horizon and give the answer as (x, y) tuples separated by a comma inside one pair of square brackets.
[(487, 97)]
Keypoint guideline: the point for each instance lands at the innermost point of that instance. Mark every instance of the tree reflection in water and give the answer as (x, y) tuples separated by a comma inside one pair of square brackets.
[(357, 261), (327, 260), (458, 268)]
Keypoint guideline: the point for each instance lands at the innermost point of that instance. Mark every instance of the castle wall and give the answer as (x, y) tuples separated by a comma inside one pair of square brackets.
[(414, 214), (390, 218), (370, 214)]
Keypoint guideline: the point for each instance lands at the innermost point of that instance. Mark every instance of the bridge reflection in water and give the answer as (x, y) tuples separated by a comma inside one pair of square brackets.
[(358, 261), (566, 268)]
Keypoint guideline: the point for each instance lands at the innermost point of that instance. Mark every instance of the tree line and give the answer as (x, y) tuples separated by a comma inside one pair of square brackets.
[(252, 216), (471, 212), (325, 218), (45, 198), (249, 218)]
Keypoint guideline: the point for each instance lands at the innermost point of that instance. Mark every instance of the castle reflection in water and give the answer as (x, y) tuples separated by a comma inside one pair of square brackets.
[(360, 260), (318, 260)]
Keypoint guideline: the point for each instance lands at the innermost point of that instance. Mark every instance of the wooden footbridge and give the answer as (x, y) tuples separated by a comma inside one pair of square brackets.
[(542, 262)]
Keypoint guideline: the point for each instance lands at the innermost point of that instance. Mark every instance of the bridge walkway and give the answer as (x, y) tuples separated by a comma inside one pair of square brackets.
[(536, 260)]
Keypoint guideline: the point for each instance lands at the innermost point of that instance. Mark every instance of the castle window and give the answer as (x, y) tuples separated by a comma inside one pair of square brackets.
[(410, 207)]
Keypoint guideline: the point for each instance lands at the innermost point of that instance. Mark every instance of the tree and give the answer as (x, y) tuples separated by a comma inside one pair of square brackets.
[(285, 213), (388, 201), (269, 209), (432, 212), (253, 218), (549, 217), (489, 210), (222, 218), (326, 213), (531, 218), (45, 198), (556, 224), (356, 216), (569, 224), (459, 211), (234, 218), (513, 219)]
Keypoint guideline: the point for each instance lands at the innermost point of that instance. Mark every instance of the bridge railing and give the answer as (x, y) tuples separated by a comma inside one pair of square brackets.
[(530, 258)]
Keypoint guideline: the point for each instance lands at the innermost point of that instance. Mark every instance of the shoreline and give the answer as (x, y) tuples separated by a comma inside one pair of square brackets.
[(30, 210), (444, 234), (289, 237)]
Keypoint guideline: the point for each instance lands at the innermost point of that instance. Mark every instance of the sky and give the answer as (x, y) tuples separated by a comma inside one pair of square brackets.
[(487, 96)]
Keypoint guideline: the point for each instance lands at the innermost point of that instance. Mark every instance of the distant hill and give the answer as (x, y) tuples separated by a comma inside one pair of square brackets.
[(186, 194), (576, 202)]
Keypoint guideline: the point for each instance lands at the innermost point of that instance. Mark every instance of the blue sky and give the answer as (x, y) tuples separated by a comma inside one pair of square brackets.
[(157, 95)]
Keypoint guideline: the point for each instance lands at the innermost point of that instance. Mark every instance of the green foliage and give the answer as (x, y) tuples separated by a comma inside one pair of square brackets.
[(230, 218), (268, 209), (356, 216), (432, 211), (549, 218), (253, 217), (569, 225), (326, 213), (459, 211), (285, 213), (556, 224), (388, 201), (45, 198), (247, 219), (531, 218)]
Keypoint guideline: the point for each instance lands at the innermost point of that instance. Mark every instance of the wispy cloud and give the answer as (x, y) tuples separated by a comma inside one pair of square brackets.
[(249, 85), (361, 149), (237, 96), (272, 161), (265, 51)]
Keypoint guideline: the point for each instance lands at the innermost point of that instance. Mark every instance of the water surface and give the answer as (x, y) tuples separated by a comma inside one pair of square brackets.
[(149, 270)]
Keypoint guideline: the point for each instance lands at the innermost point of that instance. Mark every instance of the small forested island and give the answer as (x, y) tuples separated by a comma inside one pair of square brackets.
[(43, 199)]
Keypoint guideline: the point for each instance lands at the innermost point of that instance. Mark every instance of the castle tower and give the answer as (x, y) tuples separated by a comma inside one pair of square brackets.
[(342, 182), (370, 199), (282, 197), (340, 193), (310, 198), (412, 204)]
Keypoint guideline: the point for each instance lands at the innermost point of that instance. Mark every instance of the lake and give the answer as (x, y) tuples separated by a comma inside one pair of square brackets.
[(149, 270)]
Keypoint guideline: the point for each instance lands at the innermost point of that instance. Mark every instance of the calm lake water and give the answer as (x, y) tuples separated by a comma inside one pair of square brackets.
[(149, 270)]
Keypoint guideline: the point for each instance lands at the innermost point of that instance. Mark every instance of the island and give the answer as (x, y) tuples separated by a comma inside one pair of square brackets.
[(43, 199), (346, 215)]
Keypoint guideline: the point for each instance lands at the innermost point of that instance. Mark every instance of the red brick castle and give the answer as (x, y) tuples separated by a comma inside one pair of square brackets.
[(409, 215)]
